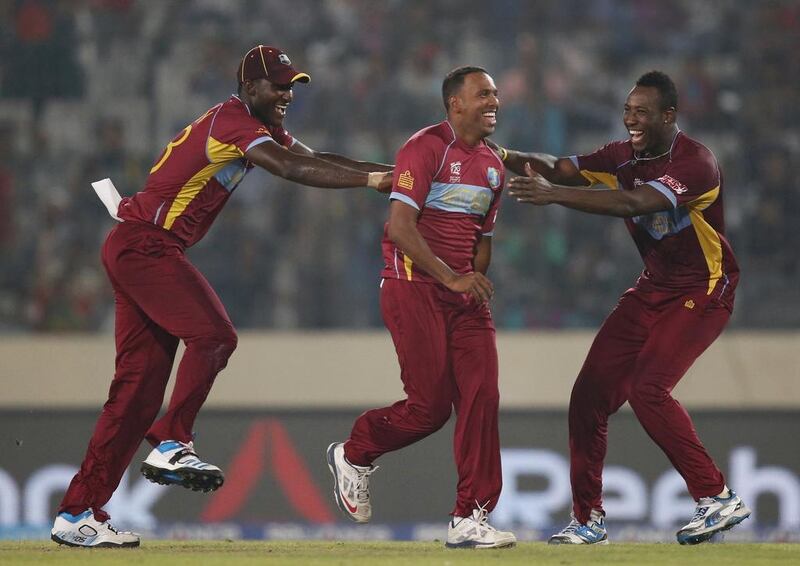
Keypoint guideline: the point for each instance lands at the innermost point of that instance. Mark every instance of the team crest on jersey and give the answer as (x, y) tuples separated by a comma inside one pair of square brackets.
[(283, 58), (493, 175), (405, 180), (674, 184)]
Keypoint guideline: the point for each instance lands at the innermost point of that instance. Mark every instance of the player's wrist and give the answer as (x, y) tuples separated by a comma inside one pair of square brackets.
[(374, 179)]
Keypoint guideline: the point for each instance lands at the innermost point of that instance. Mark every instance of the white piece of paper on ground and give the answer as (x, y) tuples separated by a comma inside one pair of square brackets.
[(108, 193)]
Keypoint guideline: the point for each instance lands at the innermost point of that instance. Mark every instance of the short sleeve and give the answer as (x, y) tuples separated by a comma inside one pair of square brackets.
[(487, 229), (688, 178), (237, 130), (281, 136), (415, 168), (599, 166)]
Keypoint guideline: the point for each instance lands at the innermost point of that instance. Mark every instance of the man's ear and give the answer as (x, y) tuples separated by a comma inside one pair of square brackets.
[(249, 87), (455, 103)]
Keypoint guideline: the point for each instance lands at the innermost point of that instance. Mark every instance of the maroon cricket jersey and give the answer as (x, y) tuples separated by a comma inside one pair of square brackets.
[(684, 247), (456, 189), (199, 169)]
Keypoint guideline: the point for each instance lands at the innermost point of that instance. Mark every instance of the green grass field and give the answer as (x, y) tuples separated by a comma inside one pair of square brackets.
[(156, 553)]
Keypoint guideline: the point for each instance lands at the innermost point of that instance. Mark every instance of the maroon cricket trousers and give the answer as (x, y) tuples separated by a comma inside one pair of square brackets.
[(641, 352), (160, 298), (445, 344)]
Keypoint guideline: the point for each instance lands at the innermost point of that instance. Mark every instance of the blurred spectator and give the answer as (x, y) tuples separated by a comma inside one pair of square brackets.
[(42, 60), (300, 261)]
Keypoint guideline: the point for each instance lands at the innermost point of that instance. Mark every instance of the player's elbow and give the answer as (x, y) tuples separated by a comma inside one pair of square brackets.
[(398, 232), (629, 206), (627, 210), (392, 231), (290, 172)]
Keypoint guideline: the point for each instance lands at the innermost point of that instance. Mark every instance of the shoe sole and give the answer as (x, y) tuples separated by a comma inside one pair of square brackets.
[(558, 542), (703, 537), (336, 493), (472, 545), (185, 477), (61, 541)]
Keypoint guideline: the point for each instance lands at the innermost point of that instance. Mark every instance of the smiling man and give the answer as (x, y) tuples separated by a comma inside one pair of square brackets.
[(434, 301), (668, 187), (161, 298)]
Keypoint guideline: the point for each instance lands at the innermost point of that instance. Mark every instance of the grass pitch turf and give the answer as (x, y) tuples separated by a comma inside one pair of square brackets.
[(229, 553)]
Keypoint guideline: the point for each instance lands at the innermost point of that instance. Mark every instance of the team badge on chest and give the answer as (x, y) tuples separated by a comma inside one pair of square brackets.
[(493, 175)]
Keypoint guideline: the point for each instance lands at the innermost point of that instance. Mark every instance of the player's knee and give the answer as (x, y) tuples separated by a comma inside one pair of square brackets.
[(432, 416), (227, 340), (647, 394), (488, 394), (219, 345)]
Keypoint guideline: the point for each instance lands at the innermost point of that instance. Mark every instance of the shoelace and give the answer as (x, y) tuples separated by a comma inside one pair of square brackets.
[(481, 516), (362, 483), (702, 508), (572, 528)]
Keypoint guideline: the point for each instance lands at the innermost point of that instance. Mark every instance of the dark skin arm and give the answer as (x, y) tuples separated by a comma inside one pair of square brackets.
[(403, 232), (312, 171), (535, 189), (559, 170), (340, 160)]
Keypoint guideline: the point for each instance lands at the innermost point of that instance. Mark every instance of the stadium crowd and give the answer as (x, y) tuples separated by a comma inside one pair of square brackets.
[(95, 88)]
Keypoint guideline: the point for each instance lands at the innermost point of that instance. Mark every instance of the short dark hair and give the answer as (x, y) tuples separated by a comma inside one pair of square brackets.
[(666, 88), (455, 80)]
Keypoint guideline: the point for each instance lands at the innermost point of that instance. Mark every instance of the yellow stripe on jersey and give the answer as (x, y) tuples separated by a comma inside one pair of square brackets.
[(707, 236), (407, 263), (220, 155), (594, 177), (219, 151)]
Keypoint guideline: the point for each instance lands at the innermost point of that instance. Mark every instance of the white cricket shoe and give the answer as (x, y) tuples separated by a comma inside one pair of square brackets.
[(712, 515), (476, 532), (176, 463), (350, 484), (592, 532), (84, 530)]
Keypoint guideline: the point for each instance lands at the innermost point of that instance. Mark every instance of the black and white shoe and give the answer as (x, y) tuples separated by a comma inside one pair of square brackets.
[(176, 463)]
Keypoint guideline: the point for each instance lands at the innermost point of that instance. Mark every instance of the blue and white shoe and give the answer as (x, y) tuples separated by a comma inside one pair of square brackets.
[(712, 515), (84, 530), (592, 532), (176, 463)]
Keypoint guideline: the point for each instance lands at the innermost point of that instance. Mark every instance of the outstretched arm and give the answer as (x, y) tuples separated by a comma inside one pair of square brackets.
[(403, 232), (535, 189), (337, 159), (313, 171), (559, 170)]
